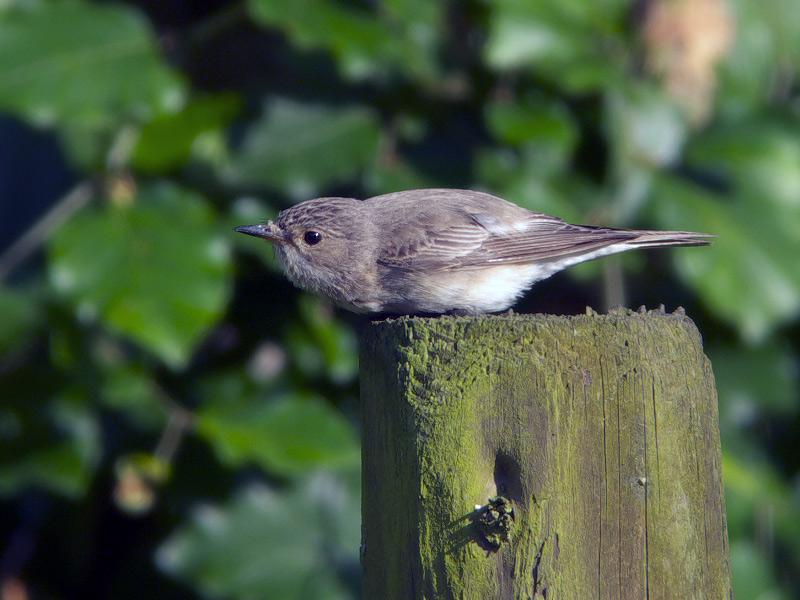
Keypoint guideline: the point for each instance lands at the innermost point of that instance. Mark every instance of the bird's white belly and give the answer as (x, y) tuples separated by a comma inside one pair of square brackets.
[(489, 289), (497, 288)]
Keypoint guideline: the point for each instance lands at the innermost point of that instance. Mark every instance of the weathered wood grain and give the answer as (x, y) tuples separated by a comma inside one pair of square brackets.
[(601, 429)]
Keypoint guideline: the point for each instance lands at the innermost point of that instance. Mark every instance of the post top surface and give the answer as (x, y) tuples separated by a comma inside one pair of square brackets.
[(514, 320)]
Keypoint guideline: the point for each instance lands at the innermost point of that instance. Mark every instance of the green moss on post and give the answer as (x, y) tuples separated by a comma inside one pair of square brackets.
[(601, 430)]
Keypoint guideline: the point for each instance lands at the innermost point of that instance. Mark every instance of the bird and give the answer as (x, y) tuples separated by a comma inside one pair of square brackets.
[(436, 251)]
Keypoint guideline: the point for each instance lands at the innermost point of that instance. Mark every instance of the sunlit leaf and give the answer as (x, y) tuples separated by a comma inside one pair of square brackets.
[(156, 270), (645, 127), (532, 121), (765, 54), (94, 65), (646, 131), (287, 544), (760, 157), (402, 35), (287, 435), (419, 19), (572, 43), (545, 129), (749, 276), (167, 141), (301, 148)]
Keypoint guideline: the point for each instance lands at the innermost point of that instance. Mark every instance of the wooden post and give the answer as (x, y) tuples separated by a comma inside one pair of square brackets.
[(600, 432)]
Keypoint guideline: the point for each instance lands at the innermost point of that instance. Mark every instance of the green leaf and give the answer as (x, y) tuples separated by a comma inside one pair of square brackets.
[(18, 317), (545, 129), (288, 435), (156, 270), (646, 131), (420, 19), (532, 121), (749, 275), (752, 573), (402, 35), (46, 441), (394, 174), (89, 65), (167, 141), (518, 178), (761, 157), (765, 53), (57, 467), (131, 390), (576, 44), (645, 127), (301, 148), (265, 543), (321, 344), (755, 495), (249, 211), (750, 381)]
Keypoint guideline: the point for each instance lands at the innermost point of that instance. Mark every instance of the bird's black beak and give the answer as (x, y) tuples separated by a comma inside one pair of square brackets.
[(268, 231)]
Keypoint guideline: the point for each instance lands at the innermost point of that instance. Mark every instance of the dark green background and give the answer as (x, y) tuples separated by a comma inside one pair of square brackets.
[(177, 420)]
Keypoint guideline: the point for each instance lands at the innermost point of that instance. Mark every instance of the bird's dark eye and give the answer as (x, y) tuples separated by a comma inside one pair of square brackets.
[(312, 237)]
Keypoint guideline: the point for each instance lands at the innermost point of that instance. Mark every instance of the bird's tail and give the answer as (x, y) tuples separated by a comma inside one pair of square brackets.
[(655, 239)]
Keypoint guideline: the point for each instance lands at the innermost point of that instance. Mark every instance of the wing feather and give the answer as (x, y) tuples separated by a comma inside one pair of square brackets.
[(475, 240)]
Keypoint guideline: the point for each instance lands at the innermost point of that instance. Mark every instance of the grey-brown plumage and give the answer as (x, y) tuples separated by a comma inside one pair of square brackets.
[(436, 250)]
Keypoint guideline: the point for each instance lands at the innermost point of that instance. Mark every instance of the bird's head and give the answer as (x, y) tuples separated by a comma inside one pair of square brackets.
[(319, 242)]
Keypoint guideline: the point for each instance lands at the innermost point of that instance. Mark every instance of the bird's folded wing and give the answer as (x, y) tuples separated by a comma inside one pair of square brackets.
[(480, 240), (417, 247)]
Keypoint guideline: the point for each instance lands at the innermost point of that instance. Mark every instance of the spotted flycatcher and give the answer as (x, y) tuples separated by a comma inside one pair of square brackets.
[(436, 251)]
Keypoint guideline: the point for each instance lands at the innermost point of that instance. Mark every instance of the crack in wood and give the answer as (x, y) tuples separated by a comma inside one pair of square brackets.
[(646, 486), (536, 562)]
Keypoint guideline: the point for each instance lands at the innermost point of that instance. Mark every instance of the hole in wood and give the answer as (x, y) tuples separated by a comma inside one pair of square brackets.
[(507, 477)]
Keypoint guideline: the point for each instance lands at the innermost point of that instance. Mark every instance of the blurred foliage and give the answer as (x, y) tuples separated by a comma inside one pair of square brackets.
[(176, 410), (302, 148), (267, 544), (176, 268)]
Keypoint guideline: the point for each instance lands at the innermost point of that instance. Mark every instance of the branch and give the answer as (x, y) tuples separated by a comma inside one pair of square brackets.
[(41, 230)]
